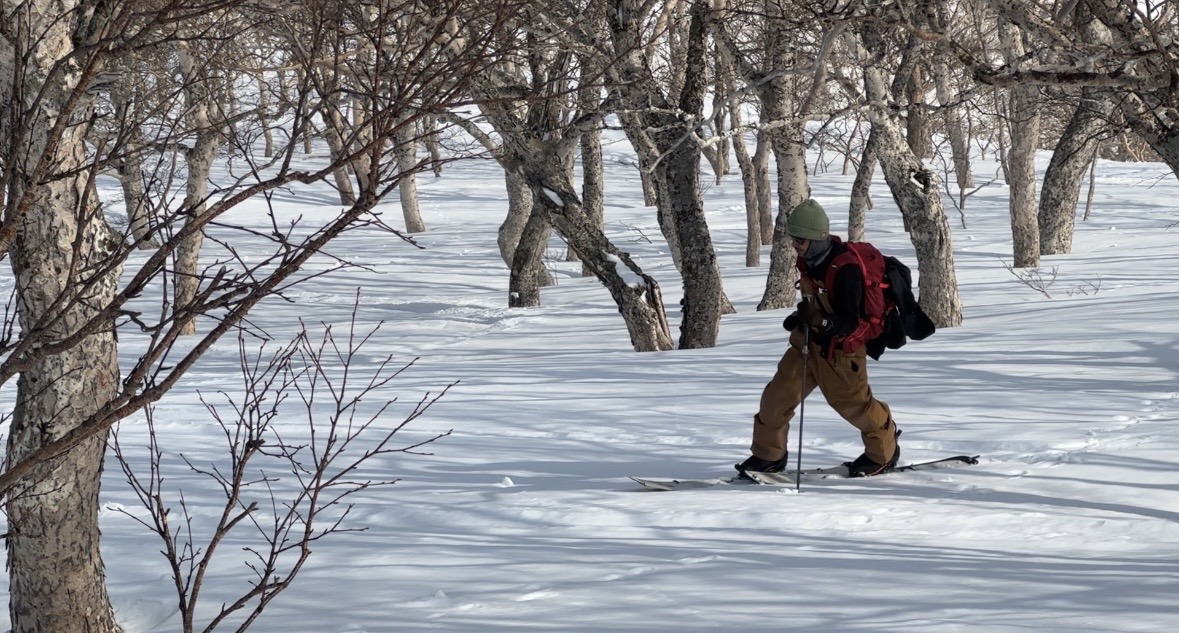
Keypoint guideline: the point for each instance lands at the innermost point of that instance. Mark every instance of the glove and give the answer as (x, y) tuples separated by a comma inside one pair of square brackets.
[(792, 322), (811, 314)]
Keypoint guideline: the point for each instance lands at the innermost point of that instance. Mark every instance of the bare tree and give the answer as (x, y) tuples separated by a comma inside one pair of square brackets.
[(528, 106), (66, 260), (1134, 66), (783, 116), (915, 188), (284, 490)]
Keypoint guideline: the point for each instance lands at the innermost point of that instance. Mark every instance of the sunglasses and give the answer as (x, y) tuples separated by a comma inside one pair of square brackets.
[(798, 240)]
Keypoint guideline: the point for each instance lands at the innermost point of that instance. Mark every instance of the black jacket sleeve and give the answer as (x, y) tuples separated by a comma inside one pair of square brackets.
[(847, 300)]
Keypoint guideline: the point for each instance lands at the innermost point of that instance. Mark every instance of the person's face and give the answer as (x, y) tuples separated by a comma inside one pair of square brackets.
[(800, 245)]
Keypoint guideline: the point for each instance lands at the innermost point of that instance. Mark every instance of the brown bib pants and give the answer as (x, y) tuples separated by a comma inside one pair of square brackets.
[(843, 379)]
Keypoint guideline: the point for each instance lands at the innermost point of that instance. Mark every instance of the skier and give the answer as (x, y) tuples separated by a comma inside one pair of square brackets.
[(831, 322)]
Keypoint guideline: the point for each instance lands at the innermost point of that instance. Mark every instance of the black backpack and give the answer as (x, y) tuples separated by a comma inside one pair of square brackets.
[(906, 320)]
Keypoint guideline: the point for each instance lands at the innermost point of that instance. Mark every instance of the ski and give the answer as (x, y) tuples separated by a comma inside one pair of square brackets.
[(841, 472), (790, 477)]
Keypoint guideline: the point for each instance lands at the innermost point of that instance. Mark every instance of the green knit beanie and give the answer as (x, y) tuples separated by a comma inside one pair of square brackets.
[(808, 221)]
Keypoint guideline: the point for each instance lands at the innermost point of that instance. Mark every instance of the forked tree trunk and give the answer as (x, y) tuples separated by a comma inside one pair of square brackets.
[(527, 264), (1147, 112), (1023, 119), (678, 168), (334, 127), (1074, 153), (917, 192), (55, 567), (639, 299)]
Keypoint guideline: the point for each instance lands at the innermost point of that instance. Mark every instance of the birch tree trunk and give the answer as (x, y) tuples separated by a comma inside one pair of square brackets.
[(749, 184), (789, 146), (1023, 120), (955, 125), (519, 210), (199, 163), (678, 167), (407, 186), (265, 116), (917, 192), (430, 136), (527, 265), (919, 132), (639, 299), (1073, 154), (56, 572), (790, 152), (765, 199), (62, 244), (592, 170), (129, 172), (861, 201), (334, 132), (726, 81)]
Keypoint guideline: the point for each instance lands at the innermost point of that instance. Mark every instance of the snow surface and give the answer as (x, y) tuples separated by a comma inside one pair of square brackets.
[(523, 518)]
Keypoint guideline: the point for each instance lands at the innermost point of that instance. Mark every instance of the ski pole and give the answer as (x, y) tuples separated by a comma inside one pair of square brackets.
[(806, 354)]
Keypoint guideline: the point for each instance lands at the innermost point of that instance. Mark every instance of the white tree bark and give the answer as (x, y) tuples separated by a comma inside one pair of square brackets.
[(407, 186), (779, 108)]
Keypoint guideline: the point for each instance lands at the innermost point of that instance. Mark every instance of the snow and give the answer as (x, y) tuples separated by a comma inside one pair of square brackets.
[(629, 277), (554, 197), (523, 519)]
